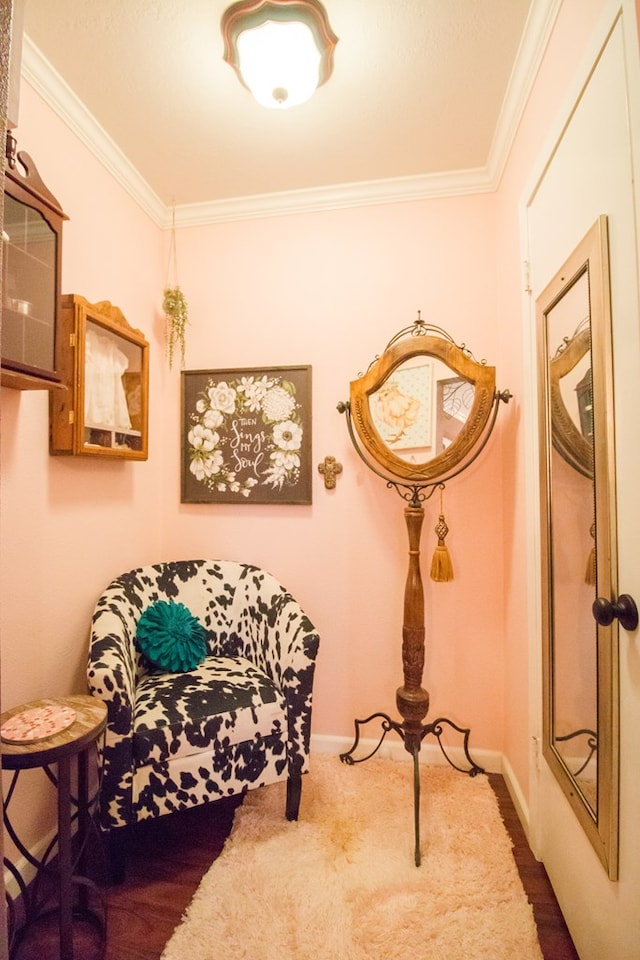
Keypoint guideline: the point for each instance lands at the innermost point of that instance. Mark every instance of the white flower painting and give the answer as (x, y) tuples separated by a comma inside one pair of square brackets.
[(246, 436)]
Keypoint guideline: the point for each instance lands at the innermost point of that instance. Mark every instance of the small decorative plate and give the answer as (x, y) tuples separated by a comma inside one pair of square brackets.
[(38, 723)]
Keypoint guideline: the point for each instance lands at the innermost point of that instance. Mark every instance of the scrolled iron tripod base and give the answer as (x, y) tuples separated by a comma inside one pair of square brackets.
[(413, 742)]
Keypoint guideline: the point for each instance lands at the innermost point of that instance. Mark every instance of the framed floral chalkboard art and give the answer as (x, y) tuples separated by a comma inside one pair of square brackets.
[(246, 435)]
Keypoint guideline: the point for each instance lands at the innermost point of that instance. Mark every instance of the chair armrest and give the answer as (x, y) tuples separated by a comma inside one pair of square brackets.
[(295, 638), (111, 676), (111, 667), (272, 630)]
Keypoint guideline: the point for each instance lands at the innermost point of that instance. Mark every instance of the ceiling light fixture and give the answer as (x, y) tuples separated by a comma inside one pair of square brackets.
[(281, 49)]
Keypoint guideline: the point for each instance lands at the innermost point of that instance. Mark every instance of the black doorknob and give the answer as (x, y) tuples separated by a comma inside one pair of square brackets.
[(624, 608)]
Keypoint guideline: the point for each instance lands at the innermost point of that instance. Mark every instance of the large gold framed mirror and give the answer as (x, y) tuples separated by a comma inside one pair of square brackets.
[(581, 608)]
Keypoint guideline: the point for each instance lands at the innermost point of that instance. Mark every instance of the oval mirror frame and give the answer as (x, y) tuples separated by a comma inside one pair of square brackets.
[(462, 364)]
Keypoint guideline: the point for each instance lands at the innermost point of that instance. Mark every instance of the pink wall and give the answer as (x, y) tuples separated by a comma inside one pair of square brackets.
[(330, 289), (67, 524)]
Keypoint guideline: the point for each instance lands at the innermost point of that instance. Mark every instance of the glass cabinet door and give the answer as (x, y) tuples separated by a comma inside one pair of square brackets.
[(112, 386), (104, 364), (29, 289), (31, 269)]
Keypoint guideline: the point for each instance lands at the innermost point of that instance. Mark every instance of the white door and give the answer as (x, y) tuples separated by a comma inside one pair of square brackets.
[(589, 170)]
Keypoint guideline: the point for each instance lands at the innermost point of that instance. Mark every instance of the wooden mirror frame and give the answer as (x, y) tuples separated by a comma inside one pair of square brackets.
[(459, 360), (566, 437)]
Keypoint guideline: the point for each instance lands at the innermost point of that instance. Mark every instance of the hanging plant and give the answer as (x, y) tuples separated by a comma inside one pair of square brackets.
[(176, 309), (176, 312)]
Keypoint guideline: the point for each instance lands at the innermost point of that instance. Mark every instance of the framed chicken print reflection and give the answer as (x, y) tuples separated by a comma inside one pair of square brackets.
[(401, 408), (246, 435)]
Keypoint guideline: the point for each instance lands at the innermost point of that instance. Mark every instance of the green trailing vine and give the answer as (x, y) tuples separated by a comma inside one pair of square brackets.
[(176, 311), (174, 304)]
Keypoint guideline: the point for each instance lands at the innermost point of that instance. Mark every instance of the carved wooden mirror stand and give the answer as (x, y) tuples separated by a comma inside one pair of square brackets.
[(418, 417)]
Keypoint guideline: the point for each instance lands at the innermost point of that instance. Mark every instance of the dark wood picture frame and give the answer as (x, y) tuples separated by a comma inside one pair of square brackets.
[(246, 435)]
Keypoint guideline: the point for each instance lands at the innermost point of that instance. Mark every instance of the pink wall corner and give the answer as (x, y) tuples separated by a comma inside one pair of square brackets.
[(331, 289)]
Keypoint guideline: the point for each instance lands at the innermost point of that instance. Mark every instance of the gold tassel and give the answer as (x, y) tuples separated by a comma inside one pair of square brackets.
[(590, 574), (441, 566)]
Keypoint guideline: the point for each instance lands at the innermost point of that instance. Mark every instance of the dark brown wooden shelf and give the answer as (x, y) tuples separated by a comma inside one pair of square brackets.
[(17, 380)]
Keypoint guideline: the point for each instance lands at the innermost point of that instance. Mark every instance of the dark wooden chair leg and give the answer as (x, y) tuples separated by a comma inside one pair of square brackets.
[(294, 789), (118, 855)]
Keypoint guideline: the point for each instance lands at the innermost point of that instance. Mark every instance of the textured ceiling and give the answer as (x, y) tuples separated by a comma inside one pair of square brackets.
[(420, 88)]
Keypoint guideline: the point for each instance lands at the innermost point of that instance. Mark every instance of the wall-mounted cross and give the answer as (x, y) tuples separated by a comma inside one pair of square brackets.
[(329, 469)]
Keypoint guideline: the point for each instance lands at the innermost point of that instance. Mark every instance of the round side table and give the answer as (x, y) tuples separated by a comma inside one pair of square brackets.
[(79, 741)]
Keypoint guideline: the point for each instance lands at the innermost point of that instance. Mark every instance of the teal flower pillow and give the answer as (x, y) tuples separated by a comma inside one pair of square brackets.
[(170, 637)]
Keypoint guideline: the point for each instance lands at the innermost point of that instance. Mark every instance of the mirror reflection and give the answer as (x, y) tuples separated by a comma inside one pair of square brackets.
[(421, 408), (575, 707)]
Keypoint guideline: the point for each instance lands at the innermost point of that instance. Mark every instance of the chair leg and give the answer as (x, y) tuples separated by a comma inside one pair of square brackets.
[(294, 789), (118, 855)]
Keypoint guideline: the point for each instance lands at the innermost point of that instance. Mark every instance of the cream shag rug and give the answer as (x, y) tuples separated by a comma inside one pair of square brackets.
[(341, 883)]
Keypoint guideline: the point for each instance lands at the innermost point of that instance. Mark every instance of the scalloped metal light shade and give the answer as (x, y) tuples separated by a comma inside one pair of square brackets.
[(282, 50)]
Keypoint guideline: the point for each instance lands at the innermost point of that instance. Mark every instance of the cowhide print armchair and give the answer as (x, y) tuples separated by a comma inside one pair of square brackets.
[(239, 720)]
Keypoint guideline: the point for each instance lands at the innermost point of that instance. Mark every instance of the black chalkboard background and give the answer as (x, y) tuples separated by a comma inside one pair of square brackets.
[(246, 435)]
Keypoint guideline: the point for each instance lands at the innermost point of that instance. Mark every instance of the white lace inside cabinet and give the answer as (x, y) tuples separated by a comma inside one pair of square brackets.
[(104, 363)]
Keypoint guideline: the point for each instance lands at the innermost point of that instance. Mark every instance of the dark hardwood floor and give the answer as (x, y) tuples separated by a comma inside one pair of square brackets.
[(169, 857), (555, 939)]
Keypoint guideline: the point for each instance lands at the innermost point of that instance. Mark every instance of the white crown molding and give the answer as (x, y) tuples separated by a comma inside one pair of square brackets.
[(336, 197), (540, 22), (57, 94), (47, 82)]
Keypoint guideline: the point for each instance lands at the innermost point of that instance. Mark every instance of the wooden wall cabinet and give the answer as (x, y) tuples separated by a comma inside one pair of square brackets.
[(104, 364), (31, 261)]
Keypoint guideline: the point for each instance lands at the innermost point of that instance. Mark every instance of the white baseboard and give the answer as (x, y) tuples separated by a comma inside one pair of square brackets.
[(519, 802), (430, 753), (490, 760), (26, 869)]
